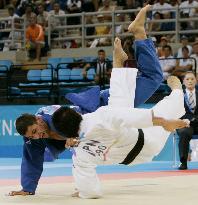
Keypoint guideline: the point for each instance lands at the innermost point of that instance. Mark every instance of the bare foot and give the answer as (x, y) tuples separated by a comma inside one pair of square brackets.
[(119, 56), (174, 82), (137, 26)]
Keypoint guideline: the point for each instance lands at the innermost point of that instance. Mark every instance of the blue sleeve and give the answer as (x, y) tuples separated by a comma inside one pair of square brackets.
[(32, 164)]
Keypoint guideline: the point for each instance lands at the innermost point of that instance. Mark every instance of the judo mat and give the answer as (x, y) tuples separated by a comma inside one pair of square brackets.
[(156, 183)]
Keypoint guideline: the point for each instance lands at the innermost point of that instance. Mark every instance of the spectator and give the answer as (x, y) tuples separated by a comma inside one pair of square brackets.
[(163, 42), (107, 7), (42, 17), (161, 5), (167, 62), (190, 103), (55, 20), (73, 6), (35, 37), (12, 15), (128, 48), (101, 30), (132, 4), (56, 12), (122, 28), (155, 26), (184, 42), (174, 3), (167, 26), (89, 30), (195, 56), (14, 4), (14, 35), (88, 6), (183, 65), (186, 12), (29, 14), (102, 66)]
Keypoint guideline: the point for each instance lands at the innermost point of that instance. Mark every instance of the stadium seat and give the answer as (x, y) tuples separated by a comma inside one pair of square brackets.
[(54, 62), (34, 75), (65, 62), (47, 75), (76, 74), (91, 73), (5, 66), (64, 74)]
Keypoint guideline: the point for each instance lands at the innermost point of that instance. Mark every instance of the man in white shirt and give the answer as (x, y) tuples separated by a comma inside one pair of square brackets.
[(188, 11), (161, 5), (113, 134), (184, 42), (167, 62)]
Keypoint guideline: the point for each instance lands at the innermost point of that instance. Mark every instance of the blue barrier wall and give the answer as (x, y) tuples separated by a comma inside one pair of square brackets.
[(11, 142)]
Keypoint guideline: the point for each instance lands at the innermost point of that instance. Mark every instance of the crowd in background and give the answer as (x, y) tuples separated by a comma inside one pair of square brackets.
[(37, 13)]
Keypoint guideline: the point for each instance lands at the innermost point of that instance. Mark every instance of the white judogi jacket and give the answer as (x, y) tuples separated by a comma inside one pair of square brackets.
[(111, 131)]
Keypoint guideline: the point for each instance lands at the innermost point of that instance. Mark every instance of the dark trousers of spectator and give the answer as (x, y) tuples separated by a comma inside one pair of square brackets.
[(185, 135)]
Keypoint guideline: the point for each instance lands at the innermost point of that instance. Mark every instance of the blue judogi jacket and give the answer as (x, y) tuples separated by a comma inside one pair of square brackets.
[(148, 80)]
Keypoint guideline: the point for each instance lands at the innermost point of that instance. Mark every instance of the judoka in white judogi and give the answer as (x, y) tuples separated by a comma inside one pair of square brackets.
[(112, 131)]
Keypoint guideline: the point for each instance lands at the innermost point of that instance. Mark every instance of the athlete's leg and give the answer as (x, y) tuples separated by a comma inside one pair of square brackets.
[(150, 75), (123, 80)]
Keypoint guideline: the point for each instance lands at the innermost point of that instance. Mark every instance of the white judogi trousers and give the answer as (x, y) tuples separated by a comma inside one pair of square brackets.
[(111, 132)]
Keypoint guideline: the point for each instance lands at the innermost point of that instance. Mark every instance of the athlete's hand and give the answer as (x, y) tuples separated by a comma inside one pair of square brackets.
[(71, 142), (172, 125), (21, 192)]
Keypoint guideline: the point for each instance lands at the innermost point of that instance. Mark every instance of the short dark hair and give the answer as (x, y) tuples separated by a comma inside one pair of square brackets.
[(101, 51), (185, 48), (168, 47), (67, 121), (23, 122)]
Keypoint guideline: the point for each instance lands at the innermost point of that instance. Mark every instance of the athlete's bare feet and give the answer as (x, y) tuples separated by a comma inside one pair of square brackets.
[(174, 82), (119, 56), (137, 26)]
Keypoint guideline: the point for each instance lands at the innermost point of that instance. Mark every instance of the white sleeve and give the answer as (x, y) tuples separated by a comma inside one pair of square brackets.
[(122, 87), (130, 117), (86, 180)]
